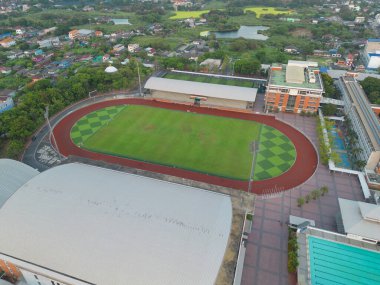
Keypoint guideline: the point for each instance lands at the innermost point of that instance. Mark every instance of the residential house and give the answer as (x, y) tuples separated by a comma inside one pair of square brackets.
[(50, 42), (7, 42), (359, 20), (73, 34), (20, 31), (291, 50), (106, 57), (150, 51), (5, 70), (98, 34), (118, 48), (133, 48)]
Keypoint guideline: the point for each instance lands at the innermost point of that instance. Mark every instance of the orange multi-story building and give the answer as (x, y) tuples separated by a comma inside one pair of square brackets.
[(294, 87)]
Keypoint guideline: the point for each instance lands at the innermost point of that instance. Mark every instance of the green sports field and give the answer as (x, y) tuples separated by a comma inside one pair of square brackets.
[(209, 79), (209, 144)]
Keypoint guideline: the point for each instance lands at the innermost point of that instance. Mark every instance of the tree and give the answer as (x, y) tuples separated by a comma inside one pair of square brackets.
[(371, 87), (329, 109), (360, 164), (324, 190), (328, 82), (300, 201), (247, 66)]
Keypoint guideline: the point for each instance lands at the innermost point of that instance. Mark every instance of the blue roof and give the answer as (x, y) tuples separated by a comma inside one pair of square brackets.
[(337, 263), (323, 69), (374, 40)]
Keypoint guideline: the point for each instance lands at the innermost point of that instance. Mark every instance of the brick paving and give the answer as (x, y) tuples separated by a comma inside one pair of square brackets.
[(266, 255)]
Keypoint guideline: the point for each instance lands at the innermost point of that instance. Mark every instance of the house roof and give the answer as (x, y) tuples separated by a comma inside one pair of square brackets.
[(108, 227), (361, 219), (202, 89)]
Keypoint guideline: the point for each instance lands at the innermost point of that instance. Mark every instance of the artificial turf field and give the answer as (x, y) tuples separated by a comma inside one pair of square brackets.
[(209, 144), (209, 79)]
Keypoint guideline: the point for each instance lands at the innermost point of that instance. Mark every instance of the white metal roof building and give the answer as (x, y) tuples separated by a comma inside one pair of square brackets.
[(80, 224), (214, 94), (13, 175), (360, 220)]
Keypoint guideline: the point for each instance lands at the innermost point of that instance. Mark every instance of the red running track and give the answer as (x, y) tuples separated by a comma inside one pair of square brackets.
[(303, 168)]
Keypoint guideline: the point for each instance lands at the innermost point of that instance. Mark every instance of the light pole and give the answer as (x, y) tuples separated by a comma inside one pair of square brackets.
[(254, 150), (46, 115), (138, 73)]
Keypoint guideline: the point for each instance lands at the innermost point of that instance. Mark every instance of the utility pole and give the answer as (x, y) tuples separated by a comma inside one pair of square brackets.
[(46, 115), (254, 150)]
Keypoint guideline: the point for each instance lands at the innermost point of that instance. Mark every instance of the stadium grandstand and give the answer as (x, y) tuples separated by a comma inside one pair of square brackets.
[(81, 224), (201, 93)]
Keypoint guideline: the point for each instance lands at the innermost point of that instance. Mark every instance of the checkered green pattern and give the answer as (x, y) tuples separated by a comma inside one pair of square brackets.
[(275, 156), (91, 123)]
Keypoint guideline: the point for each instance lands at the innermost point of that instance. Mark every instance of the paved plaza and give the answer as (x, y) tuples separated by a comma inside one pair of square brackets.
[(266, 255)]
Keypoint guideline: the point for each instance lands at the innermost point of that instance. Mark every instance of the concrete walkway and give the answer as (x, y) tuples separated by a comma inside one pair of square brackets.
[(266, 255)]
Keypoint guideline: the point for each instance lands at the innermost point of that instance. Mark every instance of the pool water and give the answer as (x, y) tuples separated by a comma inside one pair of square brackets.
[(340, 149), (333, 263)]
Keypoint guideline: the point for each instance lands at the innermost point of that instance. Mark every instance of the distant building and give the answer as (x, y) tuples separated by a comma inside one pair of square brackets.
[(73, 34), (50, 42), (371, 54), (106, 57), (20, 31), (294, 87), (150, 51), (7, 42), (359, 20), (118, 48), (98, 33), (133, 47), (211, 64), (291, 50), (6, 102)]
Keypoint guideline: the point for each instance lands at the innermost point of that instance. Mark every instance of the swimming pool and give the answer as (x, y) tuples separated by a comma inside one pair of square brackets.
[(333, 263)]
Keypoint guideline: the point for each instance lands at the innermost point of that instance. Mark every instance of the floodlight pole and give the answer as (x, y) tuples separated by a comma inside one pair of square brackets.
[(255, 147), (138, 73), (46, 115)]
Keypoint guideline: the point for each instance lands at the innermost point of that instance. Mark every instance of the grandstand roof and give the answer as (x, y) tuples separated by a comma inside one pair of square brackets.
[(109, 227), (202, 89), (13, 174)]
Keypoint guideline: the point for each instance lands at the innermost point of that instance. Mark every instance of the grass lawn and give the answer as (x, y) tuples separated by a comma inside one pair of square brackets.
[(209, 144), (188, 14), (209, 79), (266, 11)]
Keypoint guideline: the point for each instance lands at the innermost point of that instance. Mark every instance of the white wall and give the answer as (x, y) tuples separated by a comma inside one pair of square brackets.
[(179, 97), (31, 279)]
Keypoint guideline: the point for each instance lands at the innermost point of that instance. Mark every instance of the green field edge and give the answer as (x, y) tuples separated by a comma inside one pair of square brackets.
[(135, 158), (162, 164), (102, 126)]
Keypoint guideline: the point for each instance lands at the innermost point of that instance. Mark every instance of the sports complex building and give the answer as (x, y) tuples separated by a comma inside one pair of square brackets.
[(294, 87), (80, 224), (204, 89)]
